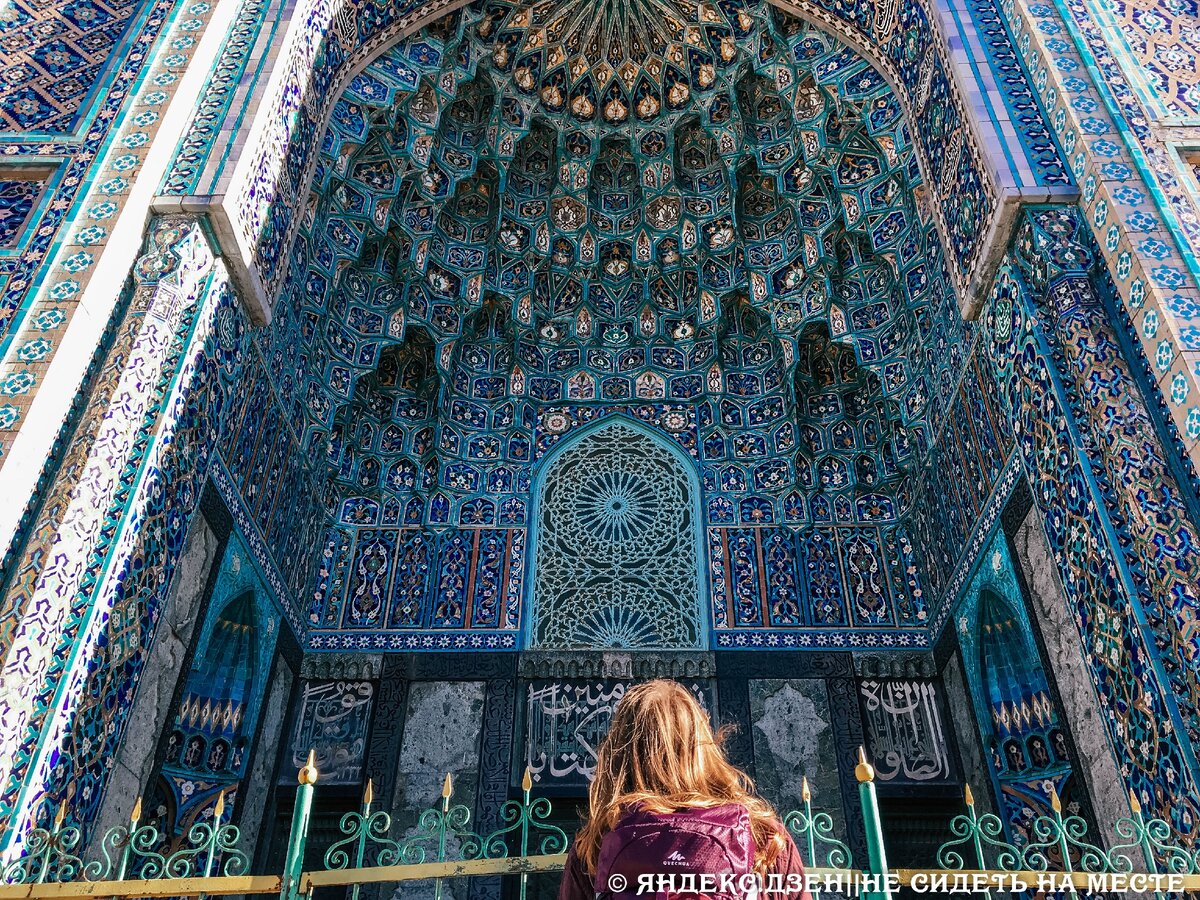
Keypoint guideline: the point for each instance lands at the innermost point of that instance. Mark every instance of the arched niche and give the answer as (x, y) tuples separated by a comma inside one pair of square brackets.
[(617, 554)]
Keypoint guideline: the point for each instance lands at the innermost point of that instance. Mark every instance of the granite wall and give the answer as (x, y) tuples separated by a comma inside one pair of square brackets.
[(161, 679)]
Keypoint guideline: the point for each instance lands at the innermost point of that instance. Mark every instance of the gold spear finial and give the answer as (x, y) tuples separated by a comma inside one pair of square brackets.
[(136, 815), (863, 771), (527, 780), (308, 772), (1134, 804), (219, 809), (447, 787), (60, 815), (1055, 803), (968, 796), (805, 793), (369, 793)]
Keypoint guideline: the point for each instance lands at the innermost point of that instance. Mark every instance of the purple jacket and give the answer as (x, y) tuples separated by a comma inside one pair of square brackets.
[(715, 840)]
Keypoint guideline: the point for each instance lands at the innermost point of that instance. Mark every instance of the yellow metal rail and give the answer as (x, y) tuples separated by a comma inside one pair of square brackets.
[(930, 880)]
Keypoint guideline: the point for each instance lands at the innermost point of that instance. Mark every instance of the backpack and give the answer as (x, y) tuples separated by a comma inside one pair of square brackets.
[(717, 841)]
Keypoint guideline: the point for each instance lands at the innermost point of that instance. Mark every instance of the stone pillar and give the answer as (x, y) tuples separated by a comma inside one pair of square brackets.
[(165, 669), (255, 794), (977, 770), (84, 612), (496, 747), (1107, 502), (1093, 759)]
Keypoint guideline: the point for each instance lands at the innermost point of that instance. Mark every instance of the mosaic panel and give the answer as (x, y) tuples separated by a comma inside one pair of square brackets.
[(273, 169), (1158, 43), (18, 198), (1140, 210), (1149, 509), (207, 753), (459, 587), (1023, 729), (616, 561), (54, 56), (96, 170), (1018, 96), (272, 479)]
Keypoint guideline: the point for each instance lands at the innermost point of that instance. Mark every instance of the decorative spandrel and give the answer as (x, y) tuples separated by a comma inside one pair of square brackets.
[(617, 562)]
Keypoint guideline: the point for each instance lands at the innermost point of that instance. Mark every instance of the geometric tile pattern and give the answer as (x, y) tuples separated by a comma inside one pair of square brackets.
[(742, 312), (1137, 203), (1130, 465), (479, 320), (78, 630), (54, 56), (97, 167), (18, 197), (274, 167)]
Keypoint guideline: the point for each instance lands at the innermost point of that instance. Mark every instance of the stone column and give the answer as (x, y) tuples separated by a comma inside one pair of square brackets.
[(83, 613), (258, 783), (1048, 605), (165, 669)]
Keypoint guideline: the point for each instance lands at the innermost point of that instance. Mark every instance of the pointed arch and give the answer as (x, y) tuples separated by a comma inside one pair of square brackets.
[(616, 548)]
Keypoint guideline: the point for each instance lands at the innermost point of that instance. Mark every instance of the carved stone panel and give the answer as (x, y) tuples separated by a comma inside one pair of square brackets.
[(565, 722), (794, 739), (906, 738), (333, 722)]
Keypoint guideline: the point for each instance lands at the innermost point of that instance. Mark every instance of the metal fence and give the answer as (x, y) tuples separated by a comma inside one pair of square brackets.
[(1059, 857)]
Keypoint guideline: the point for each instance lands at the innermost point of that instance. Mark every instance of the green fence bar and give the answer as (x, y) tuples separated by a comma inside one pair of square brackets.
[(1055, 854), (876, 855), (294, 864)]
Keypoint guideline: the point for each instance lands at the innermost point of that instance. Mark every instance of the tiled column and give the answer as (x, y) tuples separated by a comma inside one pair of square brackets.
[(1111, 510), (77, 622), (1129, 462), (1135, 196)]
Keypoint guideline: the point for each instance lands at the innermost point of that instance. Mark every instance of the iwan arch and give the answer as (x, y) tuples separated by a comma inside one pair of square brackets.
[(481, 353)]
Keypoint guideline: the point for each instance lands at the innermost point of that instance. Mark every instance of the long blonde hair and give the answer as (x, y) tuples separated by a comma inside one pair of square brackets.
[(660, 754)]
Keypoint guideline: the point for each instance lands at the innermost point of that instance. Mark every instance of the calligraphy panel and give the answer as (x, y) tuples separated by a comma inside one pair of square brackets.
[(333, 721), (903, 721), (565, 722)]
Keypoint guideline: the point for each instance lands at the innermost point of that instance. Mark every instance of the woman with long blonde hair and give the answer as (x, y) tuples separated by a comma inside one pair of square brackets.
[(666, 806)]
